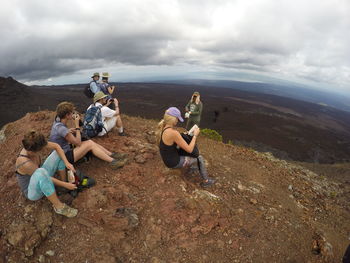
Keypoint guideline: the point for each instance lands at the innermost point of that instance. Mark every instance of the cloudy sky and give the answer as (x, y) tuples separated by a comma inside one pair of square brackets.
[(66, 41)]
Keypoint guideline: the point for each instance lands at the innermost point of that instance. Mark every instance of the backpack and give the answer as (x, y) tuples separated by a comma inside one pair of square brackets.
[(93, 124), (87, 91), (188, 139), (82, 182)]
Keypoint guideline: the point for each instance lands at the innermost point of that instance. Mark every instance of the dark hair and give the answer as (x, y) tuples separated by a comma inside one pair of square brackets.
[(34, 141), (64, 108)]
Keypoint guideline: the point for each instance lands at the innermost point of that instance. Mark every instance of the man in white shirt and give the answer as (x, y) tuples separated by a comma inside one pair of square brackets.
[(111, 118)]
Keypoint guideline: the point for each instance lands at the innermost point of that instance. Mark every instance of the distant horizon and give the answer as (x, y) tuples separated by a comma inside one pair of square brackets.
[(239, 77), (281, 88)]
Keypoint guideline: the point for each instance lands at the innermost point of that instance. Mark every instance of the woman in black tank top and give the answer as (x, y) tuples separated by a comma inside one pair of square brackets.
[(170, 140)]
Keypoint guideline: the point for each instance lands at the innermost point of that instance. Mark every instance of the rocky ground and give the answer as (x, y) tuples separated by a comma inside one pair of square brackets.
[(261, 210)]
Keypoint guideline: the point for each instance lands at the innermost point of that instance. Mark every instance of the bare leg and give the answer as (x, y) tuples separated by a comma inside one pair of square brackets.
[(103, 149), (119, 122), (55, 201), (96, 149)]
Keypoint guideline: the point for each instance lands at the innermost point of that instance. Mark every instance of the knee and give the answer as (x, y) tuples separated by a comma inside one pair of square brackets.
[(89, 144), (40, 172)]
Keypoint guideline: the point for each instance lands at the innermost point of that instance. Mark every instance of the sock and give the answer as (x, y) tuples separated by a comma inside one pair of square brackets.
[(120, 130)]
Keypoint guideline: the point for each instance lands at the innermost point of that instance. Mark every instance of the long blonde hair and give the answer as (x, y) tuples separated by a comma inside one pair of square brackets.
[(198, 98), (167, 120)]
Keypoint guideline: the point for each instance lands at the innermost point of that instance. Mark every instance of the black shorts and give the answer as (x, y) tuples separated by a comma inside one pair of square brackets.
[(70, 156)]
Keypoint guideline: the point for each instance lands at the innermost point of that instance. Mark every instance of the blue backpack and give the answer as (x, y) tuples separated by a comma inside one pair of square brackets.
[(93, 124)]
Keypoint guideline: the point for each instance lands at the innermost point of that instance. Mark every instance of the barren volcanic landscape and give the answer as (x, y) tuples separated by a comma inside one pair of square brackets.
[(289, 128)]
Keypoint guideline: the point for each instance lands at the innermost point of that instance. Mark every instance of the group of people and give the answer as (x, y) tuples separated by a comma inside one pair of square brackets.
[(69, 145), (102, 98)]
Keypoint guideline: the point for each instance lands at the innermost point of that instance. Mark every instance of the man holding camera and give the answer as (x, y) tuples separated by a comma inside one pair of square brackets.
[(111, 118)]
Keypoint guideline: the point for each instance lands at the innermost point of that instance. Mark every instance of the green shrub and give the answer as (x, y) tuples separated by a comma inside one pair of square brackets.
[(230, 142), (212, 134)]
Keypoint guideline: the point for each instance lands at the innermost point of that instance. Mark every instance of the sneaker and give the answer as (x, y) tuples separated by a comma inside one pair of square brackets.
[(115, 164), (119, 156), (207, 183), (66, 211)]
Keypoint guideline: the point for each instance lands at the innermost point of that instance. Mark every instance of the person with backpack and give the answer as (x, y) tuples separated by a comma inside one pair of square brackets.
[(171, 142), (107, 89), (67, 138), (36, 179), (93, 87), (193, 111), (105, 117)]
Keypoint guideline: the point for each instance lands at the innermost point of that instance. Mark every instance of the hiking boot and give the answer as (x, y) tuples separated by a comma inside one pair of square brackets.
[(207, 183), (115, 164), (66, 211), (119, 156)]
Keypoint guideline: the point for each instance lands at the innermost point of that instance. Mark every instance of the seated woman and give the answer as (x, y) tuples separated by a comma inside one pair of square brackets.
[(169, 138), (36, 182), (64, 137)]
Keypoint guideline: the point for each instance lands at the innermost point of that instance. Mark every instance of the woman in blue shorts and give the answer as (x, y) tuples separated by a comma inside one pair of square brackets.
[(37, 180)]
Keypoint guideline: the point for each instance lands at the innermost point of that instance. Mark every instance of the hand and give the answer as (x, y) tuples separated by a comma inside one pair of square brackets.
[(76, 120), (196, 132), (70, 186), (76, 116), (72, 130), (70, 167)]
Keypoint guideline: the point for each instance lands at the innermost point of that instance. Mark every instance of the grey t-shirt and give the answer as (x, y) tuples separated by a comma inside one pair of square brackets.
[(58, 132)]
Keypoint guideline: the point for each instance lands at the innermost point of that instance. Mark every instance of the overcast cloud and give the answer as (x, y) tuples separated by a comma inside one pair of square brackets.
[(298, 40)]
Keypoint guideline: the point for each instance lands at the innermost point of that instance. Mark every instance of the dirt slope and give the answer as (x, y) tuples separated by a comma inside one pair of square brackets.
[(261, 210)]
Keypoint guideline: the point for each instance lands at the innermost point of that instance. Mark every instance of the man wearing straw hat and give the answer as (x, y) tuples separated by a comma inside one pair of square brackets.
[(110, 118), (94, 84)]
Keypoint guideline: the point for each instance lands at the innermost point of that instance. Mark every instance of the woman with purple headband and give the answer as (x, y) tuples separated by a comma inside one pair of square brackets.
[(170, 139)]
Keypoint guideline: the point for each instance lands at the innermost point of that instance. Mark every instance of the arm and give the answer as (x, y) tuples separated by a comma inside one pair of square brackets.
[(116, 103), (60, 152), (66, 185), (109, 113), (76, 140), (198, 112), (182, 143), (111, 89)]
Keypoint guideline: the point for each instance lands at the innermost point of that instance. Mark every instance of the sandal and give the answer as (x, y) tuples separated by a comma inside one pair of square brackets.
[(66, 211)]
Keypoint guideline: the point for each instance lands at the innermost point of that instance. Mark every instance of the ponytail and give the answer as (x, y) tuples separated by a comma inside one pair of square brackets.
[(160, 128)]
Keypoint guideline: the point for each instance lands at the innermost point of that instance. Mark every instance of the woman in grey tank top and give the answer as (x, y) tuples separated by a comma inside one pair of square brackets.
[(37, 180)]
